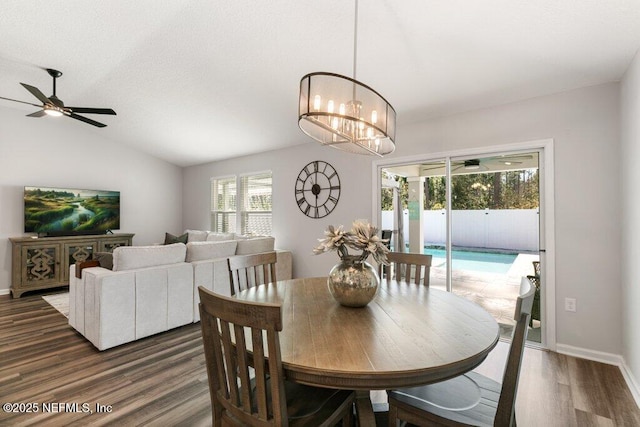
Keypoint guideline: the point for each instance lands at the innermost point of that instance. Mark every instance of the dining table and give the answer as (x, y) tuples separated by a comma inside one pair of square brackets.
[(408, 335)]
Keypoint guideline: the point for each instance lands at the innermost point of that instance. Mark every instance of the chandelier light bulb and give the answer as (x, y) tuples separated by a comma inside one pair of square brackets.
[(317, 100), (374, 117), (330, 106)]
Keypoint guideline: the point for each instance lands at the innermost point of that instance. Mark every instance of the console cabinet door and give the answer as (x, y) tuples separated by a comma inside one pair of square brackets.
[(108, 245), (78, 252), (41, 265)]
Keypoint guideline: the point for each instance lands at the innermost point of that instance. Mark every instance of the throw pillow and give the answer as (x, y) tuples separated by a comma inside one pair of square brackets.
[(219, 237), (105, 259), (255, 245), (170, 238), (196, 235), (199, 251)]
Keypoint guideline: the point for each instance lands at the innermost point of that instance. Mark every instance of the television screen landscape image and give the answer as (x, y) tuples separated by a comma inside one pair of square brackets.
[(64, 211)]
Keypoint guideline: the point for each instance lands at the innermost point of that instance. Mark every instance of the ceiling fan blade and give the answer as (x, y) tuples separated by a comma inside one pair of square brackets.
[(36, 92), (40, 113), (92, 110), (431, 167), (22, 102), (86, 120)]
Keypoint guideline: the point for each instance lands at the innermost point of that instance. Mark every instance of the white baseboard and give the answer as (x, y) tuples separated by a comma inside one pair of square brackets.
[(596, 356), (631, 382), (608, 358), (5, 291)]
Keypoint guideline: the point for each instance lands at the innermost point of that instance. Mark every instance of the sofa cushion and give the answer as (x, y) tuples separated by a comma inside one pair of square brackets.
[(255, 245), (132, 257), (198, 251), (219, 237), (170, 238), (196, 235)]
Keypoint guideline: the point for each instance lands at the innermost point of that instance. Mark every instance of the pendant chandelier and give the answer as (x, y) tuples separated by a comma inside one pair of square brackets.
[(343, 113)]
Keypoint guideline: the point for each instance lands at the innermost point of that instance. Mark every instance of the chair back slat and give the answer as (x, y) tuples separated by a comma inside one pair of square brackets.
[(247, 271), (407, 267), (242, 368), (278, 397), (233, 334), (229, 360), (505, 415), (260, 373)]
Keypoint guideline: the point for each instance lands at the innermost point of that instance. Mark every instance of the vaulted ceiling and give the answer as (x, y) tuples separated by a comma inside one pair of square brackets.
[(197, 81)]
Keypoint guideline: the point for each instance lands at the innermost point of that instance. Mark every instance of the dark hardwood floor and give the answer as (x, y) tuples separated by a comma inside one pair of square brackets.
[(161, 380)]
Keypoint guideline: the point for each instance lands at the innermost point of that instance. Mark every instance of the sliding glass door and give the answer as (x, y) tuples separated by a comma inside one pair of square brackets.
[(479, 219)]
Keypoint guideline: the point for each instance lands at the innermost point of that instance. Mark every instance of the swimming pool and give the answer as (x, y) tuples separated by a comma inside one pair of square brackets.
[(488, 262)]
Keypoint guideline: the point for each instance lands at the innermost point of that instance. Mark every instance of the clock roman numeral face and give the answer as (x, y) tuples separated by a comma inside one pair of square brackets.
[(317, 189)]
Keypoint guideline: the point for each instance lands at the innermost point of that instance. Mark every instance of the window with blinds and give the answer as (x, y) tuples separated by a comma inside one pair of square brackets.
[(255, 206), (242, 204), (223, 204)]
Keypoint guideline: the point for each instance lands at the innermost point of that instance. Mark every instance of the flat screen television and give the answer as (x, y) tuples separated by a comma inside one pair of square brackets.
[(69, 211)]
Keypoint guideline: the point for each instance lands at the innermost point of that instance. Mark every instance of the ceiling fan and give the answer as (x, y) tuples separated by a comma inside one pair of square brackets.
[(53, 106), (491, 163), (480, 165)]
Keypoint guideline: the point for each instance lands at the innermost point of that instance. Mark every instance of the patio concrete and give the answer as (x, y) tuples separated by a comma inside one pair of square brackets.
[(496, 293)]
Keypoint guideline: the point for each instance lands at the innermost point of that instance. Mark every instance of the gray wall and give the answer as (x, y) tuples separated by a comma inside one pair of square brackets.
[(50, 153), (630, 199), (585, 127)]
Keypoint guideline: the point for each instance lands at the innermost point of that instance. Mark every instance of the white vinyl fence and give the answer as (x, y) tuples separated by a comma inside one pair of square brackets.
[(514, 229)]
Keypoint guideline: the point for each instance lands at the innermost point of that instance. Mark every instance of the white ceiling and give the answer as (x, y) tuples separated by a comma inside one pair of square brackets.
[(197, 81)]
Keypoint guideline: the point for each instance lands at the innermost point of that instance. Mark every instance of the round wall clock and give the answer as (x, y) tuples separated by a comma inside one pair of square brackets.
[(317, 189)]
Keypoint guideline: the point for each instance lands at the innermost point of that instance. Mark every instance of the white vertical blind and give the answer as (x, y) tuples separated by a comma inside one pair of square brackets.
[(223, 204), (255, 203), (242, 205)]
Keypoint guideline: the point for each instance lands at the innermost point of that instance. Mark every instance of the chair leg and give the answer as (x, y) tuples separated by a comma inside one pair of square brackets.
[(347, 421), (393, 416)]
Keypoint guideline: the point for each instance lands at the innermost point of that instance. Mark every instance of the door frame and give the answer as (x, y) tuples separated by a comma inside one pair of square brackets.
[(545, 148)]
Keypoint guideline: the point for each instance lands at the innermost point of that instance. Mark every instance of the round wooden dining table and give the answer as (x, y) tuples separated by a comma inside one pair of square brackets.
[(408, 335)]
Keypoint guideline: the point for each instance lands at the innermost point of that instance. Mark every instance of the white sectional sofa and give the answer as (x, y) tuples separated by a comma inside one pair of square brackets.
[(209, 260), (152, 289)]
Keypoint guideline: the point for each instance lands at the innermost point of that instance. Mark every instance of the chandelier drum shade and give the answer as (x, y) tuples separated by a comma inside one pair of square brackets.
[(343, 113)]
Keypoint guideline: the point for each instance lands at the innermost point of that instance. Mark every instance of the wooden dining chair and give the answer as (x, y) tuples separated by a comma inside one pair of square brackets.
[(407, 267), (469, 399), (247, 271), (386, 235), (244, 368)]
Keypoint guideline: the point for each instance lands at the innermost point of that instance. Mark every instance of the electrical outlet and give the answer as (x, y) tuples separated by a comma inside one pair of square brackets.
[(570, 304)]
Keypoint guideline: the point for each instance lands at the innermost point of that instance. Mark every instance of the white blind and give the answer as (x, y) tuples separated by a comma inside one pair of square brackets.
[(224, 196), (256, 202)]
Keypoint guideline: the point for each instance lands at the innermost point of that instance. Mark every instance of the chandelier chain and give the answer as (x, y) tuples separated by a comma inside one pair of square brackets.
[(355, 41)]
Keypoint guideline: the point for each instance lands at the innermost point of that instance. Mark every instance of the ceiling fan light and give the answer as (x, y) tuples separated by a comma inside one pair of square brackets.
[(53, 112), (473, 164)]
